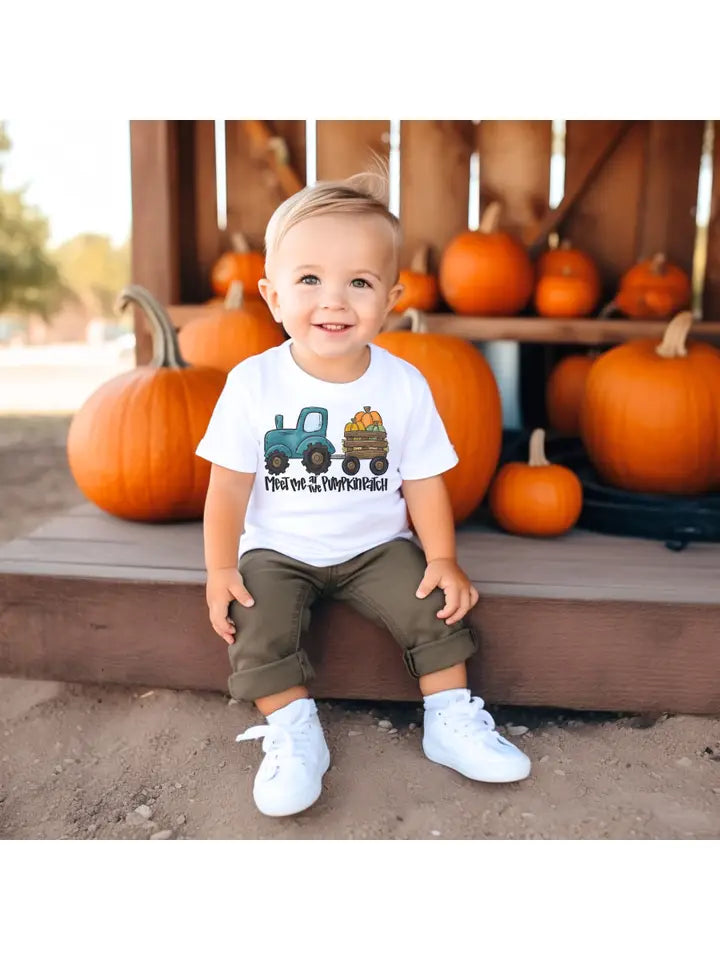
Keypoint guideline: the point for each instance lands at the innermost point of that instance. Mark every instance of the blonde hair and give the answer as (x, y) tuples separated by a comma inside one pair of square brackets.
[(363, 193)]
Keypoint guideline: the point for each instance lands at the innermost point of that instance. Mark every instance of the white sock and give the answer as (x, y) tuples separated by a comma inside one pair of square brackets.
[(436, 701)]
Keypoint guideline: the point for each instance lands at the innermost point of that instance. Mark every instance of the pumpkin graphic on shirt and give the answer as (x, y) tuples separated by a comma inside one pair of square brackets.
[(364, 438)]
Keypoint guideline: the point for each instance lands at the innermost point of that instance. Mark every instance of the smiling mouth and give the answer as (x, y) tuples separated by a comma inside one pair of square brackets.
[(333, 327)]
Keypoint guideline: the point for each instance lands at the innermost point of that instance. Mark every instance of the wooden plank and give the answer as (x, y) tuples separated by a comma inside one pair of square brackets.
[(711, 297), (599, 655), (580, 565), (200, 234), (578, 330), (155, 217), (515, 169), (434, 184), (253, 188), (605, 222), (345, 147), (667, 223)]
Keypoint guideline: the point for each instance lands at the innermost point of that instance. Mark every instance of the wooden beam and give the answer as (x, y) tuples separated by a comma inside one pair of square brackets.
[(434, 184), (711, 298), (669, 203), (591, 150), (345, 147), (155, 217), (515, 169)]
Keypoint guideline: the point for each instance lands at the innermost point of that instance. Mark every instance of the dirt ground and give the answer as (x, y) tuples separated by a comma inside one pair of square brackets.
[(82, 762)]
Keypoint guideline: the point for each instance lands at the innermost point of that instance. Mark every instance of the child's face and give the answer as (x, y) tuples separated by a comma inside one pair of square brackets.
[(332, 283)]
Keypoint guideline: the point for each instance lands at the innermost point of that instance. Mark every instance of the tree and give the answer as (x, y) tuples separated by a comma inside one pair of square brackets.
[(29, 280), (94, 270)]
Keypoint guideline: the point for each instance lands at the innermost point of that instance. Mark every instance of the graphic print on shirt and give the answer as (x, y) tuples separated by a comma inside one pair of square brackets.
[(364, 438)]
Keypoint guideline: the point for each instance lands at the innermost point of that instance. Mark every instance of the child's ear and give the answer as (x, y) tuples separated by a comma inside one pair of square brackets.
[(270, 296), (394, 295)]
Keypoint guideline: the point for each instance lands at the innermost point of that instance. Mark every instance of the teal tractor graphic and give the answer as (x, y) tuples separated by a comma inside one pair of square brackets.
[(307, 442)]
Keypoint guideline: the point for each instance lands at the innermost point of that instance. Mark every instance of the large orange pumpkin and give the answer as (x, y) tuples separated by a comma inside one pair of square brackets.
[(485, 272), (653, 288), (564, 392), (421, 287), (468, 401), (566, 260), (537, 498), (131, 446), (242, 264), (650, 417), (221, 337)]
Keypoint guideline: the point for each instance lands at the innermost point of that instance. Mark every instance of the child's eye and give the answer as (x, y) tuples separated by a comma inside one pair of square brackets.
[(310, 279), (360, 283)]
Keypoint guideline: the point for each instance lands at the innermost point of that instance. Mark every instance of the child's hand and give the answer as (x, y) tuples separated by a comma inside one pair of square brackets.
[(460, 594), (224, 586)]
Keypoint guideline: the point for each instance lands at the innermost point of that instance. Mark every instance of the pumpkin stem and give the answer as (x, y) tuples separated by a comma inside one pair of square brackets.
[(566, 244), (416, 320), (490, 220), (608, 310), (366, 409), (673, 341), (235, 296), (166, 350), (419, 262), (537, 456), (239, 243), (658, 264)]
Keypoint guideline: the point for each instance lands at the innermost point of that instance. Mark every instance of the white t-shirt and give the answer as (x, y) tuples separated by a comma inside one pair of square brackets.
[(329, 458)]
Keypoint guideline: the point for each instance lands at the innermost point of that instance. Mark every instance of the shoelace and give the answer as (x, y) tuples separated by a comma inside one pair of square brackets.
[(279, 741), (469, 714)]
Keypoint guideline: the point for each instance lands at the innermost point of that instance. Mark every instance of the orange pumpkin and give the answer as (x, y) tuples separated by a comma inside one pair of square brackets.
[(565, 260), (367, 417), (537, 498), (468, 401), (486, 272), (242, 264), (421, 287), (564, 295), (221, 337), (131, 446), (564, 393), (653, 288), (650, 416)]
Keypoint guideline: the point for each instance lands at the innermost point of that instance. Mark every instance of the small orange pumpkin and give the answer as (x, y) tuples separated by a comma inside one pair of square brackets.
[(564, 393), (650, 415), (468, 401), (421, 287), (367, 417), (537, 498), (565, 295), (221, 337), (242, 264), (485, 272), (653, 288), (564, 260), (131, 446)]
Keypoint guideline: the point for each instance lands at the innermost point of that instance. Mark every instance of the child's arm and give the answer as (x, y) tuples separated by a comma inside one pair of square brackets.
[(429, 507), (225, 507)]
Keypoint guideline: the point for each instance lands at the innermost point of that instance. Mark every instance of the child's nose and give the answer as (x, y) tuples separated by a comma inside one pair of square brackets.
[(333, 300)]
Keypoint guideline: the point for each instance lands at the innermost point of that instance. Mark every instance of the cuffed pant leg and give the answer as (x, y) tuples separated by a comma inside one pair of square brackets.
[(267, 655), (381, 584)]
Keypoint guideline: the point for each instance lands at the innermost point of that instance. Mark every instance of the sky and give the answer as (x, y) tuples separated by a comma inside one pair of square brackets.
[(76, 171)]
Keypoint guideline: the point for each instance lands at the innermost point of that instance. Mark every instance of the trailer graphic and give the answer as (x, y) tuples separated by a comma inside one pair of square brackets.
[(364, 438)]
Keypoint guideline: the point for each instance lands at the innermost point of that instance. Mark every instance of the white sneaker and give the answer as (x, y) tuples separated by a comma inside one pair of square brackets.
[(459, 734), (296, 758)]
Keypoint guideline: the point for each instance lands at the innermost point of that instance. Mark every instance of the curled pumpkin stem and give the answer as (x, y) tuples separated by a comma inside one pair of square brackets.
[(239, 243), (673, 341), (420, 260), (235, 296), (537, 456), (166, 349), (415, 319), (490, 220), (658, 264)]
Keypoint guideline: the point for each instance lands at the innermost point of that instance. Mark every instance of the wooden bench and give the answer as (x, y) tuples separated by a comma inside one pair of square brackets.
[(586, 622)]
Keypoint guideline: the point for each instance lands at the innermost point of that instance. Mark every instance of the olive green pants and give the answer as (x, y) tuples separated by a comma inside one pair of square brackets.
[(267, 655)]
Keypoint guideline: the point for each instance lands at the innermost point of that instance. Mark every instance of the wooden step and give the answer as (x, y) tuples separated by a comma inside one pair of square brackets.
[(586, 621)]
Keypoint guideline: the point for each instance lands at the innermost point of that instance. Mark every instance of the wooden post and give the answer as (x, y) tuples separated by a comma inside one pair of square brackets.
[(155, 250)]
